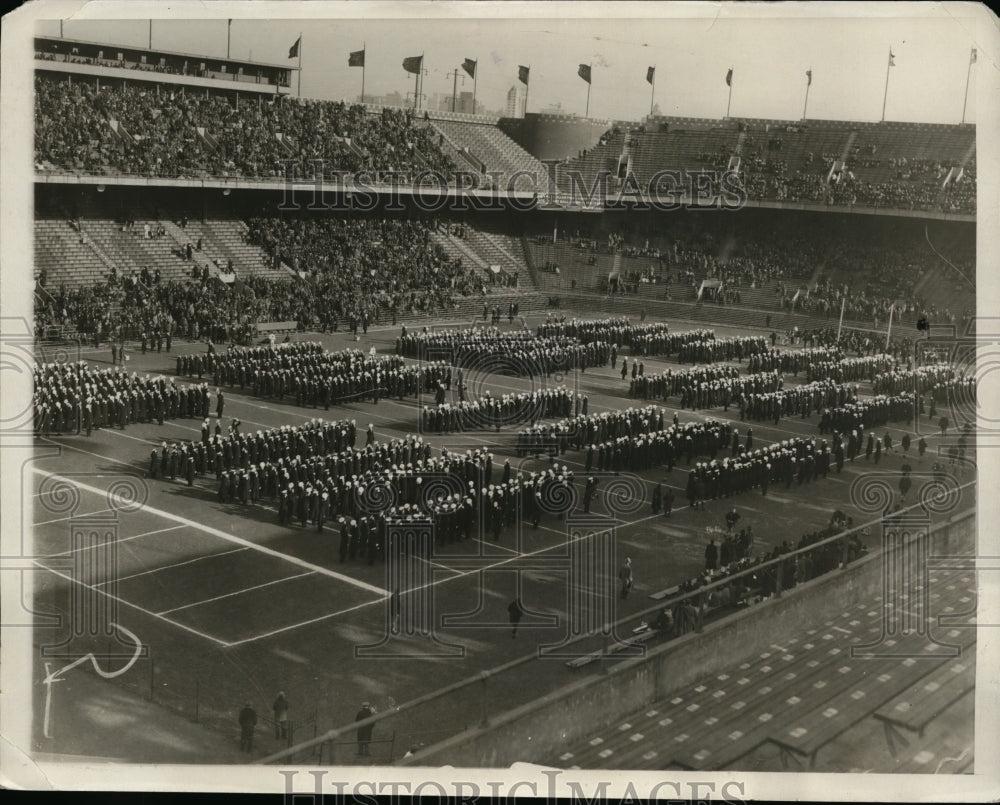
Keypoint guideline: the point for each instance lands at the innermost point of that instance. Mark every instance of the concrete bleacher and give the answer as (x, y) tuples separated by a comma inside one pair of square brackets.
[(597, 160), (75, 258), (67, 256), (801, 696), (458, 249), (491, 147), (226, 239), (131, 250)]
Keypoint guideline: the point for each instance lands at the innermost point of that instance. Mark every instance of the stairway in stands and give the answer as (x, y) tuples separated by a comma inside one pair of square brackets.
[(131, 251), (457, 249), (68, 257), (491, 146)]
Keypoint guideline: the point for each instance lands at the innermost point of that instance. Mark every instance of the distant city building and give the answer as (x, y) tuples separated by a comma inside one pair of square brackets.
[(515, 102), (392, 99)]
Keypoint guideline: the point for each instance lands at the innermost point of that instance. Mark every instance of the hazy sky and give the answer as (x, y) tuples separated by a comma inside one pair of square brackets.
[(848, 58)]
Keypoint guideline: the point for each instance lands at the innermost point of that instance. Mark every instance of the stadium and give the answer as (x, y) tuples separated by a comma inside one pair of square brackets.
[(373, 434)]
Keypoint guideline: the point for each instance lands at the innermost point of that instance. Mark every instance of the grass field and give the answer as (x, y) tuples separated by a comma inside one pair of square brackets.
[(232, 606)]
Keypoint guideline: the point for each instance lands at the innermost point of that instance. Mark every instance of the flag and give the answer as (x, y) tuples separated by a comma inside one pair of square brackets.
[(892, 59), (729, 77), (413, 64), (522, 73), (356, 59), (809, 78), (650, 72), (43, 294), (470, 67), (584, 72), (293, 51), (972, 58)]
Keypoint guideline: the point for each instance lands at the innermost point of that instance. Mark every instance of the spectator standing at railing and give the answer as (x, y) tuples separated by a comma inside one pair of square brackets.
[(280, 708), (365, 732), (248, 721)]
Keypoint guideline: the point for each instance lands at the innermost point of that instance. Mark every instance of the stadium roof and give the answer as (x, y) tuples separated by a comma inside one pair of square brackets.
[(198, 56)]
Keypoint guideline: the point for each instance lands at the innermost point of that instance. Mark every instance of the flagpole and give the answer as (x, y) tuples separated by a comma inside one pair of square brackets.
[(729, 103), (527, 86), (300, 63), (364, 61), (652, 91), (454, 87), (968, 75), (840, 324), (229, 35), (475, 86), (806, 105), (885, 97), (150, 34), (590, 78), (888, 333)]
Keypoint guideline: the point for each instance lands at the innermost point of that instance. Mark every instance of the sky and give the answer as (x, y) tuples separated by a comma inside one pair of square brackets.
[(769, 57)]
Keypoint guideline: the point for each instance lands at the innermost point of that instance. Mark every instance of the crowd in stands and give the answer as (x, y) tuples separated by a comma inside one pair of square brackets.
[(814, 268), (168, 131), (359, 264), (123, 307), (916, 184), (360, 271)]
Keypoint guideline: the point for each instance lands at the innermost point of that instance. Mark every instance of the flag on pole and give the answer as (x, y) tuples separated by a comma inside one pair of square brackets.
[(356, 59), (584, 72), (650, 72), (809, 78), (972, 58), (892, 59), (293, 51), (522, 73), (469, 65), (413, 64), (729, 77)]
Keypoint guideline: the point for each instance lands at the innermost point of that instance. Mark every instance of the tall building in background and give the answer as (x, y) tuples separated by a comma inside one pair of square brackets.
[(515, 102), (464, 103)]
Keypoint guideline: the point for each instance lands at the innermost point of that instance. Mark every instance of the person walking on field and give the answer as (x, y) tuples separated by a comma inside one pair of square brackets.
[(625, 576), (280, 708), (248, 721), (515, 611), (220, 403)]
